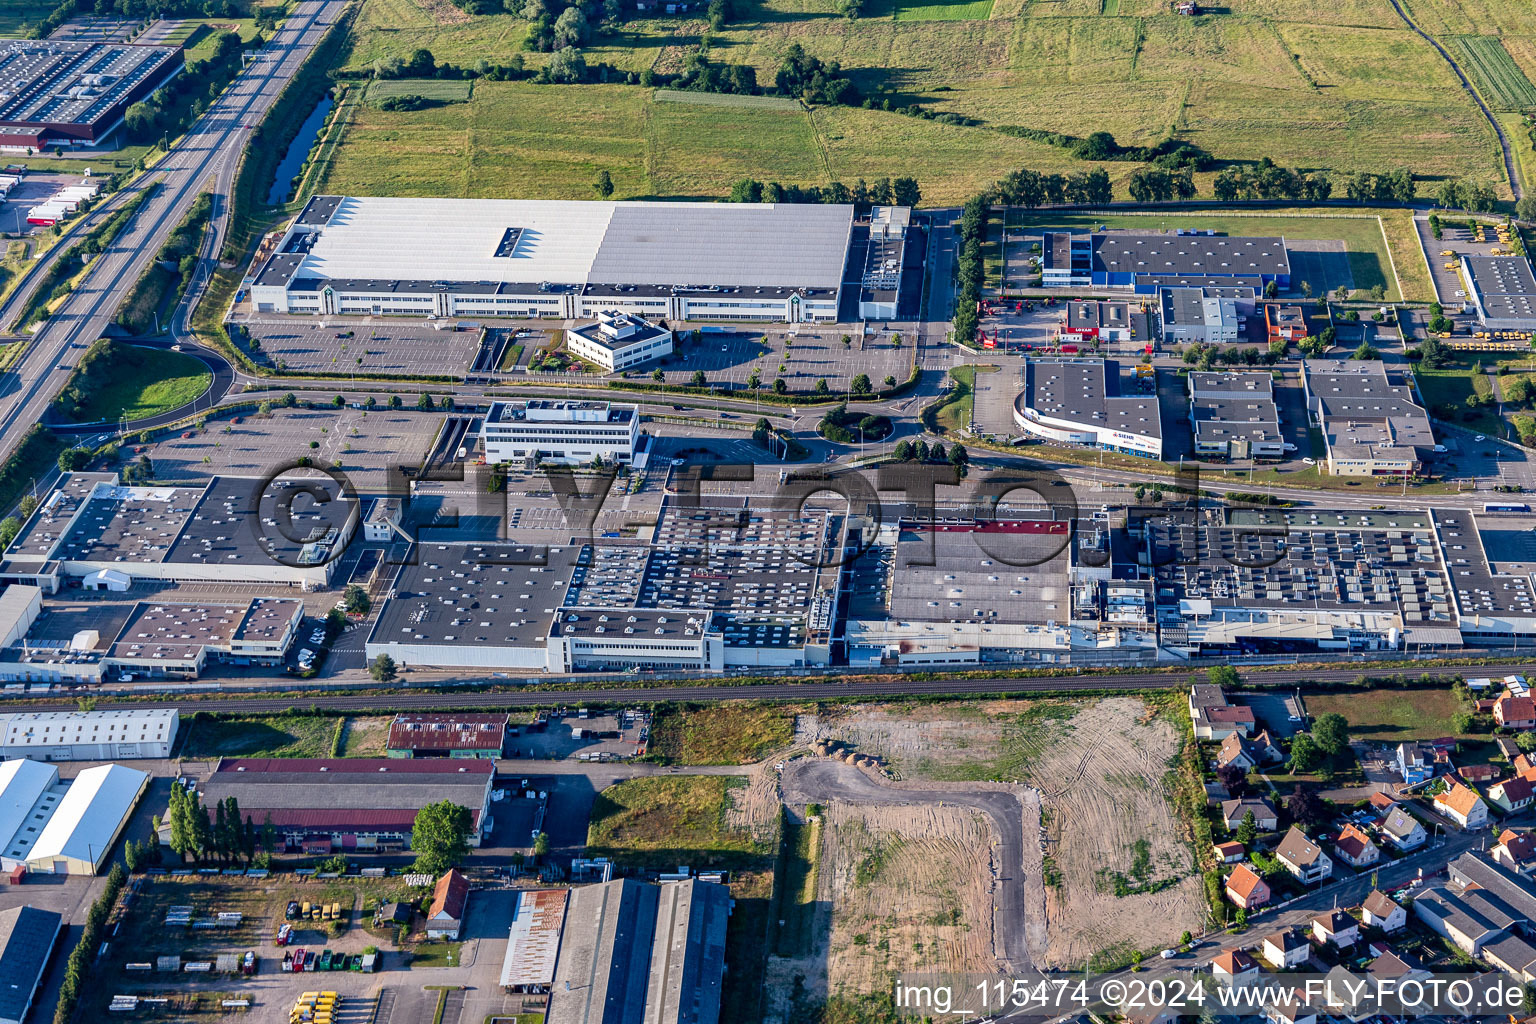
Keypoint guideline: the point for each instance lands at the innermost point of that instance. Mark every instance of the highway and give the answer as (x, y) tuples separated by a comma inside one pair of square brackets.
[(206, 156), (838, 688)]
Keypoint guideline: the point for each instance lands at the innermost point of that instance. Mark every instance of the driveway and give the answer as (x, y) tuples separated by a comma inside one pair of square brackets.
[(807, 781)]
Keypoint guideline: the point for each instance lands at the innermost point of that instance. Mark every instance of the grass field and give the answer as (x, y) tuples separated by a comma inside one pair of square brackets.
[(1451, 386), (161, 380), (442, 90), (279, 736), (1495, 73), (667, 821), (1376, 241), (727, 734), (1334, 87), (18, 14), (717, 99), (1389, 716)]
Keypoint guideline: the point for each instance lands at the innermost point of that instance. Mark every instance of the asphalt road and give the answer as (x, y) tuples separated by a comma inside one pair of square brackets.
[(430, 698), (808, 780), (205, 157)]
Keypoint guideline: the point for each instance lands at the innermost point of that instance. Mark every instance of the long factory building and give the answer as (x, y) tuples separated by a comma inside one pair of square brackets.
[(63, 93), (782, 262)]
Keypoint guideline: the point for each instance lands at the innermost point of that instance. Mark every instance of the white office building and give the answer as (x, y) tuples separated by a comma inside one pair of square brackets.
[(619, 341), (557, 430), (546, 258)]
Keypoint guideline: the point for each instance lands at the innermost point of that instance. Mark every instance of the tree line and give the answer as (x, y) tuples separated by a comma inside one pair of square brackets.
[(222, 835), (883, 192), (169, 109)]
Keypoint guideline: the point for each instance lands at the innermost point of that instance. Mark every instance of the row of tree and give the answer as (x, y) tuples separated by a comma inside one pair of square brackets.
[(1267, 180), (178, 103), (222, 835), (883, 192), (968, 267), (1030, 189)]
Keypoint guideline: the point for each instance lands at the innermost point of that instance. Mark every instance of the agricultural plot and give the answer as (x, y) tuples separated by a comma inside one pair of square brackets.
[(439, 89), (1495, 73), (1283, 81)]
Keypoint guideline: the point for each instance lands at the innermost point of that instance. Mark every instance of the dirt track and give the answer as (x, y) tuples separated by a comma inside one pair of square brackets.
[(809, 780)]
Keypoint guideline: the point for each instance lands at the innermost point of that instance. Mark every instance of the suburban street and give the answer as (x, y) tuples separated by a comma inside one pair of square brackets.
[(205, 158)]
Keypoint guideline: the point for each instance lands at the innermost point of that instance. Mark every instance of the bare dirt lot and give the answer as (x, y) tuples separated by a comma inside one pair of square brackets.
[(1117, 870)]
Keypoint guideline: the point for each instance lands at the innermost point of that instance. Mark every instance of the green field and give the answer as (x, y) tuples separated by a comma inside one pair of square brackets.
[(1367, 238), (1450, 386), (444, 90), (667, 821), (15, 15), (158, 381), (958, 10), (1336, 87), (1495, 73), (276, 736), (728, 734), (1389, 716), (718, 99)]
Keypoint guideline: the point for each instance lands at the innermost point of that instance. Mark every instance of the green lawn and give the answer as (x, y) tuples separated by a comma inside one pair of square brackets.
[(438, 954), (958, 10), (273, 736), (158, 381), (17, 15), (1389, 716), (1451, 386), (731, 733), (671, 820), (440, 89)]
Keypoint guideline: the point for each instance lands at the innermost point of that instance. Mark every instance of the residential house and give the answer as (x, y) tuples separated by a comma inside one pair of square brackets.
[(1290, 1010), (1403, 830), (1381, 804), (1245, 752), (1355, 848), (1415, 762), (1264, 814), (1303, 858), (1214, 717), (1462, 805), (1336, 927), (1380, 911), (1389, 964), (1246, 889), (450, 896), (1514, 794), (1523, 763), (1234, 964), (1229, 853), (1285, 950), (1516, 851), (1515, 712)]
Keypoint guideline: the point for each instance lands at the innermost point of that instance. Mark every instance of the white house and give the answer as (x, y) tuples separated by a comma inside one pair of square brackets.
[(1462, 805), (1303, 858), (1380, 911), (1285, 950), (1336, 927)]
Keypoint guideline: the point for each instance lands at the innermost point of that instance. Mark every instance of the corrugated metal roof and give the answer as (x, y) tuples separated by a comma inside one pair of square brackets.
[(22, 784), (534, 940), (27, 935)]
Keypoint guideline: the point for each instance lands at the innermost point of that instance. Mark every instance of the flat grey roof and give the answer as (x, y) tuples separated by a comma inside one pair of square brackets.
[(477, 594), (1504, 286), (1086, 391), (1479, 589), (1089, 313), (1205, 255), (27, 935), (1253, 419), (53, 81), (1206, 384)]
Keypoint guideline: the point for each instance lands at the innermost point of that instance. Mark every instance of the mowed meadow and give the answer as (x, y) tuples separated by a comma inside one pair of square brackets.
[(1333, 86)]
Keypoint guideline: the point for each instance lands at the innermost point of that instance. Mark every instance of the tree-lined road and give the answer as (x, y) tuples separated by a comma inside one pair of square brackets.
[(206, 156)]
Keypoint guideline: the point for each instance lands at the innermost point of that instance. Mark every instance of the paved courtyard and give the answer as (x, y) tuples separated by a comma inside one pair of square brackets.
[(411, 349)]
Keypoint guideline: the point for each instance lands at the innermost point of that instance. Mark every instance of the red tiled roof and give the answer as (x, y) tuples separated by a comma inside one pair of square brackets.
[(1236, 713), (1352, 842), (1520, 845), (1243, 881), (1458, 798), (334, 819), (1515, 709), (1515, 789), (449, 896), (1235, 961)]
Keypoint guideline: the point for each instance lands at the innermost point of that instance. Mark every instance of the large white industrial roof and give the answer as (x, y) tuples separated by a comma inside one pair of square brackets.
[(22, 785), (568, 242), (88, 816)]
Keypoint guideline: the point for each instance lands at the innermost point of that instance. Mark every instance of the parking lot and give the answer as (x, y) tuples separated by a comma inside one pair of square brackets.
[(800, 357), (1457, 241), (364, 443), (32, 190), (406, 348)]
